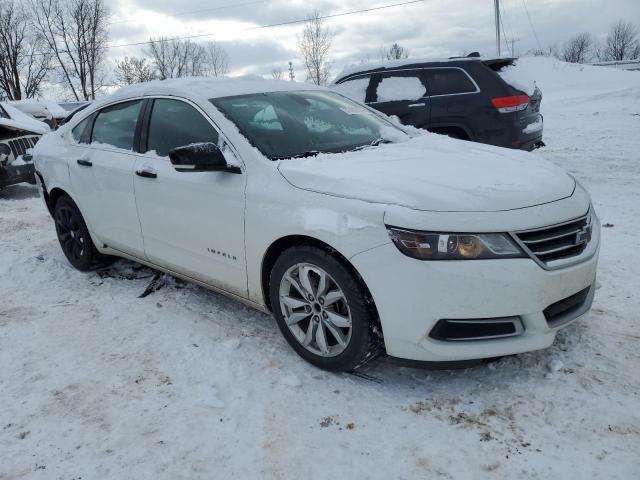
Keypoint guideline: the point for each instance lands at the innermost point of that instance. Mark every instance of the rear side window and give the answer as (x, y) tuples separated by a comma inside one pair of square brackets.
[(79, 131), (393, 88), (355, 89), (448, 81), (116, 125), (175, 124)]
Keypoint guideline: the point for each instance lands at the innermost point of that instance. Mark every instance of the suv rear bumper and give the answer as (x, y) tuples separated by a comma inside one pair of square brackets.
[(12, 174)]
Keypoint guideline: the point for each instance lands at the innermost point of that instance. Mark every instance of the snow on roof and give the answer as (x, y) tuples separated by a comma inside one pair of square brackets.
[(204, 88), (365, 67), (44, 108), (22, 120)]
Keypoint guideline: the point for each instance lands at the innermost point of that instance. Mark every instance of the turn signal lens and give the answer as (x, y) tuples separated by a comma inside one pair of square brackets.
[(454, 246)]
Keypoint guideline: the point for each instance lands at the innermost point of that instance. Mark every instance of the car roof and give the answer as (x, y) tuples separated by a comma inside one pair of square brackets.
[(495, 62), (201, 89)]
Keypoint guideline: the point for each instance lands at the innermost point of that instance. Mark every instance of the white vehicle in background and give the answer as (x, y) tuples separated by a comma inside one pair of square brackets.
[(301, 202), (19, 132), (46, 111)]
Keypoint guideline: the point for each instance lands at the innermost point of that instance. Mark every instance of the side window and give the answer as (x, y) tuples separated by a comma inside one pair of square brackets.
[(355, 89), (174, 124), (400, 87), (448, 81), (79, 131), (116, 125)]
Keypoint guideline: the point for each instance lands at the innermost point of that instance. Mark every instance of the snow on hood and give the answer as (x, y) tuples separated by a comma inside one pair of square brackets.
[(434, 173), (22, 121)]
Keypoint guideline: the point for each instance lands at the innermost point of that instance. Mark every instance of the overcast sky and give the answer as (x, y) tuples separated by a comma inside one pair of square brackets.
[(433, 28)]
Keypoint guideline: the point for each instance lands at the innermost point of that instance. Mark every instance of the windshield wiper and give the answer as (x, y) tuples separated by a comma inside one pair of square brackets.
[(308, 153), (375, 143)]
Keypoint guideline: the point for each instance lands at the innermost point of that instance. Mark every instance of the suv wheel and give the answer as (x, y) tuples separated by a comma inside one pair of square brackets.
[(73, 234), (321, 309)]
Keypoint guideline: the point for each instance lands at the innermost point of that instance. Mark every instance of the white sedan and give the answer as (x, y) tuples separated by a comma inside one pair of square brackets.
[(359, 237)]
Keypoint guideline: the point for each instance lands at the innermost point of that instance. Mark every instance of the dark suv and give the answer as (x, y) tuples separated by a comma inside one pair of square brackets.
[(463, 97)]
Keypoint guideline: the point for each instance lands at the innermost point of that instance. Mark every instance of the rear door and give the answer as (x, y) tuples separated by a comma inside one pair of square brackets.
[(402, 93), (450, 92), (102, 177)]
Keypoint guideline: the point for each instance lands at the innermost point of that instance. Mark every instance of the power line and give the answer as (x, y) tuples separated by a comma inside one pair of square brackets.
[(270, 25), (524, 4), (280, 24)]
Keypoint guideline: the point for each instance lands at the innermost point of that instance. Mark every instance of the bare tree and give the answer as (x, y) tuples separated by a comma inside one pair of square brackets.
[(578, 49), (175, 58), (23, 66), (75, 32), (550, 51), (216, 59), (397, 52), (277, 73), (314, 44), (622, 42), (134, 70)]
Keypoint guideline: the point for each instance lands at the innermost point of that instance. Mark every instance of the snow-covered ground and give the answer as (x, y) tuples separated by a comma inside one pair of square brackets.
[(96, 383)]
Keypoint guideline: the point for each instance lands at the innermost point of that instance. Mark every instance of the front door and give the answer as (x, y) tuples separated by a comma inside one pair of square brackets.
[(102, 177), (192, 222)]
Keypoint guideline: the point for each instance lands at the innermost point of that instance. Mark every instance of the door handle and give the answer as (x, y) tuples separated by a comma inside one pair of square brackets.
[(84, 163), (417, 105), (146, 173)]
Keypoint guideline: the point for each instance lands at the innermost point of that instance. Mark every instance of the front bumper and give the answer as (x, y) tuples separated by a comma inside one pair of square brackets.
[(412, 296), (10, 174)]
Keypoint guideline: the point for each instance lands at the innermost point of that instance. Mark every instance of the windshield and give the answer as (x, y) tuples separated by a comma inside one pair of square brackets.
[(299, 124)]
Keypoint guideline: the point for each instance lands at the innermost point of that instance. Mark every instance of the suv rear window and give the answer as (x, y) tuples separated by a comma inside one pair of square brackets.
[(400, 87), (448, 81)]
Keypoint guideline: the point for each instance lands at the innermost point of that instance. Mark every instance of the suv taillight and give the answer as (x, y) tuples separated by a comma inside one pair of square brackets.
[(514, 103)]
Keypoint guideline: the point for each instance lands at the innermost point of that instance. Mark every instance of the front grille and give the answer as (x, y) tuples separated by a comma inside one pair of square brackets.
[(558, 242), (19, 146), (556, 312)]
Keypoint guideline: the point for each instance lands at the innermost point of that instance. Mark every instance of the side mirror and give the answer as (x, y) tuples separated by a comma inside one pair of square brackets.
[(200, 157)]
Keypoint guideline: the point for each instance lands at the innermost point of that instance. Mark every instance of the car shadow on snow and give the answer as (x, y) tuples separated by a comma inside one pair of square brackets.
[(19, 192)]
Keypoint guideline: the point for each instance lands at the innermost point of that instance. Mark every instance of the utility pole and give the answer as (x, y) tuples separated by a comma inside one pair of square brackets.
[(292, 76), (496, 4)]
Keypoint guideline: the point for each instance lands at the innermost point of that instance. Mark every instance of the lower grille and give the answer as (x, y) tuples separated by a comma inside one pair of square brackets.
[(558, 242), (557, 312), (19, 146), (476, 329)]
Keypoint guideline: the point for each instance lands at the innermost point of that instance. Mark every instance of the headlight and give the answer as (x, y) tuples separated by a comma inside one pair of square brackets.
[(454, 246)]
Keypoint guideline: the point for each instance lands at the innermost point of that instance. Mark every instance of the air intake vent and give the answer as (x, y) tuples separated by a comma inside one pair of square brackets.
[(449, 330)]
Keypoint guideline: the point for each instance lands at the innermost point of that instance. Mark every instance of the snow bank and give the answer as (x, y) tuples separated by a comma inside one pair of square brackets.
[(560, 80)]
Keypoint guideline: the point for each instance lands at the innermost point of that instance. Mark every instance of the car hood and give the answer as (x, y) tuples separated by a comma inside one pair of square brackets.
[(436, 173)]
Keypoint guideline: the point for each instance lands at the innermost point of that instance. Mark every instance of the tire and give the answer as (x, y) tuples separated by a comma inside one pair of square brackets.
[(73, 235), (333, 327)]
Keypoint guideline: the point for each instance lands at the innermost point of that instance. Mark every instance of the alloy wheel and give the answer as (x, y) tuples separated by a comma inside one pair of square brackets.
[(69, 232), (315, 309)]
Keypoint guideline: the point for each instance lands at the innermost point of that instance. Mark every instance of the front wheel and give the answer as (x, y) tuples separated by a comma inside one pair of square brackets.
[(73, 234), (322, 309)]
